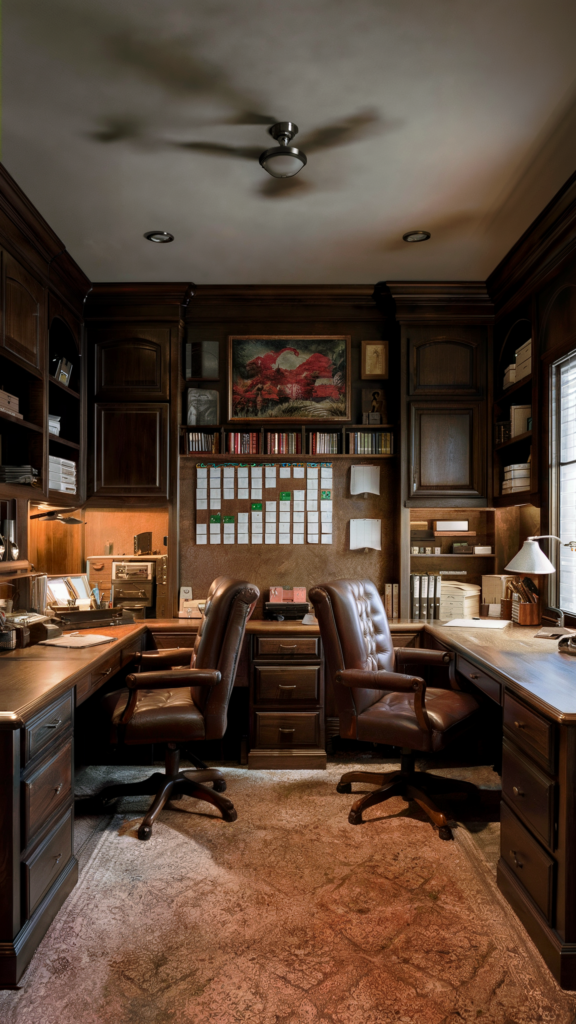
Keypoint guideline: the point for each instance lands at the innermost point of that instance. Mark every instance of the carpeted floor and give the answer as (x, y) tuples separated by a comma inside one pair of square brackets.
[(288, 916)]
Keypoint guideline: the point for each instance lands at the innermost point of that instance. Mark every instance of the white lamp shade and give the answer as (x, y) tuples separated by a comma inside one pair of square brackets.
[(530, 559), (282, 162)]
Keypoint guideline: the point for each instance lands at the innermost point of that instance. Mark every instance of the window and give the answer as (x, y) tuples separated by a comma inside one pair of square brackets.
[(563, 488)]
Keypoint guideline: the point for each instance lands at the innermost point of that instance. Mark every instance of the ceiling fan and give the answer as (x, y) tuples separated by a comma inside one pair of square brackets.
[(55, 515)]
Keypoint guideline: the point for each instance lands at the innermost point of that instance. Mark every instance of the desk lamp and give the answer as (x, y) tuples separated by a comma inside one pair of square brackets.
[(532, 560)]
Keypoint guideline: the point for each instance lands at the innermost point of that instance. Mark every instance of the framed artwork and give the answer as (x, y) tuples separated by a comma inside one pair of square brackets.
[(374, 364), (374, 407), (283, 377)]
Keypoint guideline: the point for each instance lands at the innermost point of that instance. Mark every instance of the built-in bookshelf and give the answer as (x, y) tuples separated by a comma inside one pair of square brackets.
[(290, 441), (514, 454)]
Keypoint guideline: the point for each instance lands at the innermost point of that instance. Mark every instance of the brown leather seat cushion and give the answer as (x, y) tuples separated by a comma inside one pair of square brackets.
[(150, 722), (392, 719)]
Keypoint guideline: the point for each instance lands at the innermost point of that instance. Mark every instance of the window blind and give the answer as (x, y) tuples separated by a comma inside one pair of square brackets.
[(567, 479)]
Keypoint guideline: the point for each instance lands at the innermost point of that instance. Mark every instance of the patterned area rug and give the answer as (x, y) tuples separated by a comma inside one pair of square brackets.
[(288, 916)]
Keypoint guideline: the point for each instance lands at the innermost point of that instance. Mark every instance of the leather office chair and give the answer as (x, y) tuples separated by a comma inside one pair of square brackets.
[(377, 701), (168, 703)]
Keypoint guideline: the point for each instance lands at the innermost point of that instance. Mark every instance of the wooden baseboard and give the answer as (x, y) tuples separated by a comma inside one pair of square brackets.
[(287, 759)]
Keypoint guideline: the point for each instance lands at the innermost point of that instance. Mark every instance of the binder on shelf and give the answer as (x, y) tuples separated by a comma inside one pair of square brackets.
[(395, 600), (423, 597), (431, 598), (415, 595)]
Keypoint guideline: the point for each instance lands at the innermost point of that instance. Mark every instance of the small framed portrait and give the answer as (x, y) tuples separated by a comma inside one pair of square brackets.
[(374, 406), (374, 364)]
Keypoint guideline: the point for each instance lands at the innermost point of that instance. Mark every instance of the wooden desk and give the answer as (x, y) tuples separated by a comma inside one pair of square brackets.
[(533, 683)]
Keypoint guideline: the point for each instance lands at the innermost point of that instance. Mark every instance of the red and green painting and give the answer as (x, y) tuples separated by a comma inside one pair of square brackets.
[(281, 378)]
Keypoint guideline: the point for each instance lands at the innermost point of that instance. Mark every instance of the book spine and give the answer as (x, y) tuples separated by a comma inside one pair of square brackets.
[(388, 599), (395, 600), (423, 596)]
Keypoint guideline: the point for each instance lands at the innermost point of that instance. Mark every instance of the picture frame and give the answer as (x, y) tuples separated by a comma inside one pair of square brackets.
[(278, 377), (374, 360)]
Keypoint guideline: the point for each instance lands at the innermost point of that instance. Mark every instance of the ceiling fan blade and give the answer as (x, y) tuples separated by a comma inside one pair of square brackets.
[(279, 188), (343, 132), (217, 149), (117, 129), (250, 117)]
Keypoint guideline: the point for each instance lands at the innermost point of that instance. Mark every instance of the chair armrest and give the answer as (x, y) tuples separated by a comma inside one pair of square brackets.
[(173, 679), (154, 661), (396, 682), (414, 656)]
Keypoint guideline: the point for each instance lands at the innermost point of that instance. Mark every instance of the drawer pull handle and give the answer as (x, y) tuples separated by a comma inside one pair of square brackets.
[(58, 858), (517, 791), (58, 788), (517, 863), (103, 676), (519, 725), (53, 725), (98, 567), (287, 730), (474, 675), (285, 686), (288, 647)]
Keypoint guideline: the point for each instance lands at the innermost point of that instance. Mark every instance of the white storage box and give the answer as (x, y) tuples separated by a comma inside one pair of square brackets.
[(519, 416), (510, 375)]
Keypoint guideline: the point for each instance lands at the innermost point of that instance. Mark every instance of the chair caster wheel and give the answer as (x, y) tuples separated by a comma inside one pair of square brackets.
[(230, 815), (344, 787), (355, 817), (445, 833), (219, 786), (145, 832)]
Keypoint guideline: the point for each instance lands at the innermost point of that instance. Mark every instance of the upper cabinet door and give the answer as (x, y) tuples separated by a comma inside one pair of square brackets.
[(24, 303), (131, 451), (447, 360), (132, 364), (446, 450)]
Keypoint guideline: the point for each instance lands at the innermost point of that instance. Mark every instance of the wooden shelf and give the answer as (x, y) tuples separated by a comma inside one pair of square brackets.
[(62, 440), (228, 456), (20, 423), (64, 387), (8, 570), (517, 498), (513, 388), (451, 555), (21, 363), (513, 440), (190, 380)]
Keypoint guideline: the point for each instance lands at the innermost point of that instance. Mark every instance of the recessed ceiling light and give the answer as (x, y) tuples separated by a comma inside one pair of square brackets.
[(416, 236), (159, 236)]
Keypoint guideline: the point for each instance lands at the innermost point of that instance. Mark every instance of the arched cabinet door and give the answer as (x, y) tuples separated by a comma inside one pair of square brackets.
[(447, 360), (132, 364), (23, 331)]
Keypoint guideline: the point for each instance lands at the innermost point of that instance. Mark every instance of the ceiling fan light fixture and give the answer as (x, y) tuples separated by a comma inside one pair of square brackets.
[(283, 161), (158, 236), (416, 236)]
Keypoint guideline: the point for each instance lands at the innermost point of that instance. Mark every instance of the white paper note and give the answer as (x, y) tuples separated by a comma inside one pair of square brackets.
[(228, 472), (313, 517), (242, 538), (243, 517), (298, 528), (366, 533), (256, 475), (256, 493), (215, 502), (298, 506), (256, 538), (201, 528), (298, 538), (243, 493), (284, 538), (201, 473), (270, 538), (299, 516), (283, 528), (257, 516), (228, 493), (215, 473), (298, 472), (312, 506), (202, 493), (312, 473), (326, 538), (202, 503), (284, 472), (312, 538), (215, 492), (271, 506), (201, 538), (242, 472), (215, 538), (228, 538), (228, 527), (299, 495), (284, 516), (365, 480)]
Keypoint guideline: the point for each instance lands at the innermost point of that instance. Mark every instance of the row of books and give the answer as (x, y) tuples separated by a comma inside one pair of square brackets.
[(365, 443), (242, 442), (198, 442), (323, 443), (287, 443), (392, 600)]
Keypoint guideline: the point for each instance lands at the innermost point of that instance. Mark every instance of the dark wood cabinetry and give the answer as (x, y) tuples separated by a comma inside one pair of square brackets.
[(447, 457), (24, 313), (131, 449), (446, 360), (132, 364)]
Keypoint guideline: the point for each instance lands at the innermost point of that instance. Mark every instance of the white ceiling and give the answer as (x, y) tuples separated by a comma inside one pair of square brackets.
[(465, 122)]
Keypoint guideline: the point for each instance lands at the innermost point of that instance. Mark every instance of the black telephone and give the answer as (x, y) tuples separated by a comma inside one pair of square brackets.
[(567, 645)]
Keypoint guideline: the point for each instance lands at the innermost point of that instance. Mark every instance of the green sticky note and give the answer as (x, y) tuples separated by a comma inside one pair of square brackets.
[(228, 519), (285, 495), (215, 519), (256, 506), (325, 495)]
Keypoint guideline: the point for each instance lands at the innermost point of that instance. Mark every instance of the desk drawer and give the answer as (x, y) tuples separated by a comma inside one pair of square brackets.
[(127, 653), (287, 646), (529, 792), (279, 683), (277, 730), (48, 726), (529, 863), (404, 639), (42, 869), (46, 790), (529, 731), (170, 641), (491, 687), (94, 680)]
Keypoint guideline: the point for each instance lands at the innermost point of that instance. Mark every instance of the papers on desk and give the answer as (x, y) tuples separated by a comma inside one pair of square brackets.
[(365, 480), (366, 533), (86, 640), (479, 623)]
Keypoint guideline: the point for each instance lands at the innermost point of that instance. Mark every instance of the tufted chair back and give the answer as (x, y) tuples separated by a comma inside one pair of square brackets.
[(355, 634), (218, 644)]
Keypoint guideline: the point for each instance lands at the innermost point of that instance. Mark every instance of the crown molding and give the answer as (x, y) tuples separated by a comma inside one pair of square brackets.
[(441, 302)]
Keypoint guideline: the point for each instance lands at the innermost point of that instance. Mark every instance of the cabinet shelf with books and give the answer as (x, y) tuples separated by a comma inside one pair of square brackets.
[(515, 411)]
